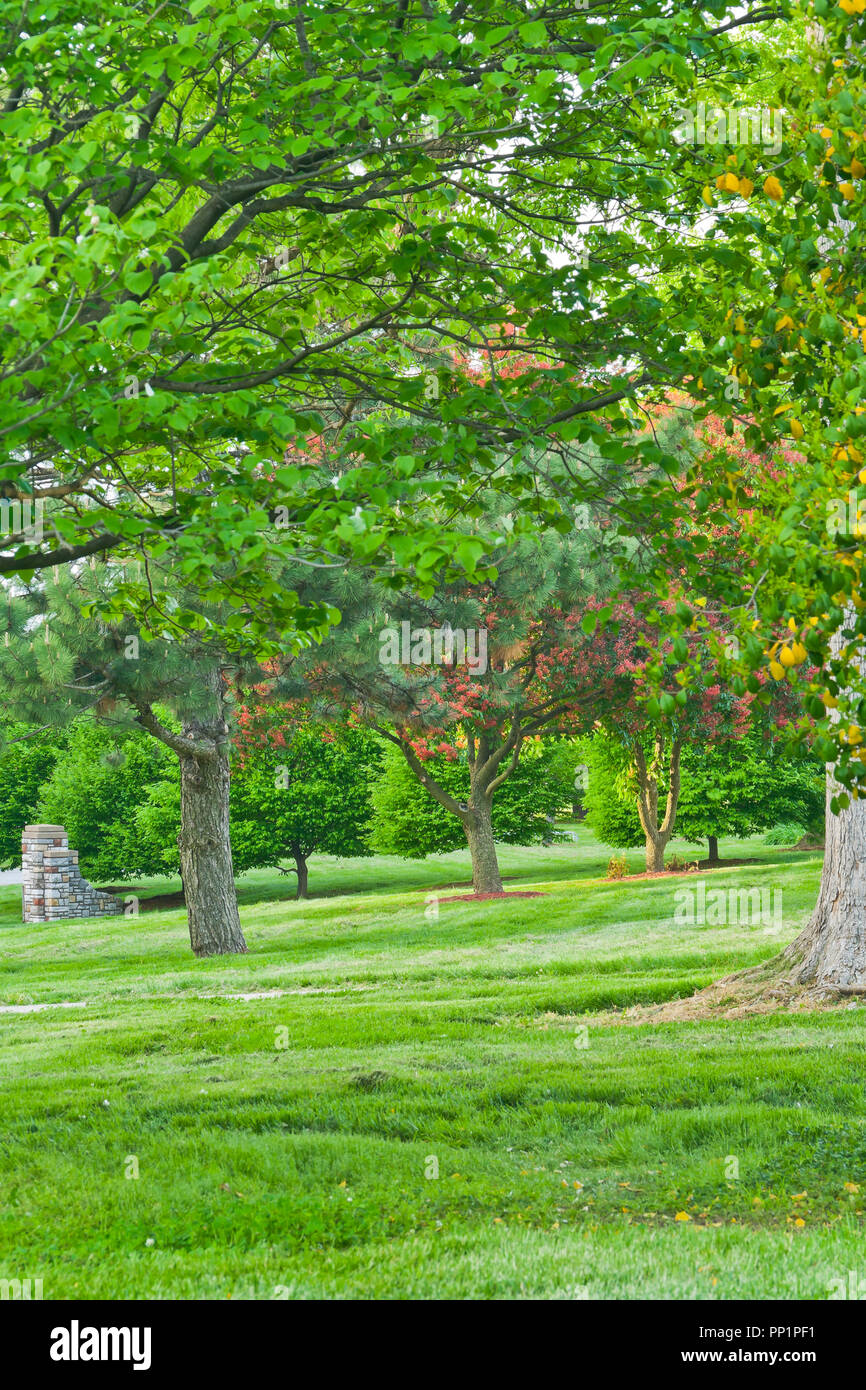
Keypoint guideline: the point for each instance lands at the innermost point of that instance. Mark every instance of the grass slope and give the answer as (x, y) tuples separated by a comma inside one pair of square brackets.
[(286, 1144)]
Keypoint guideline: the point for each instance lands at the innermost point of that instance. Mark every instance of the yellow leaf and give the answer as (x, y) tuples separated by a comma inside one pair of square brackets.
[(707, 195), (799, 1221), (848, 191), (852, 1187), (797, 429), (774, 189), (682, 1216), (746, 188)]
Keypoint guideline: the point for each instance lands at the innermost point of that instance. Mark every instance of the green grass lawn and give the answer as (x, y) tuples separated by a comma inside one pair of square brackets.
[(285, 1143)]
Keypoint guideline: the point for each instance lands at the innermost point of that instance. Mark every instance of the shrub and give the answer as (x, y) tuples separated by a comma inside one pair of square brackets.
[(788, 833), (617, 867), (676, 864)]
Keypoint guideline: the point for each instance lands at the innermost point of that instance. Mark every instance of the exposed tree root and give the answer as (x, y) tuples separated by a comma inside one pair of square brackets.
[(767, 988)]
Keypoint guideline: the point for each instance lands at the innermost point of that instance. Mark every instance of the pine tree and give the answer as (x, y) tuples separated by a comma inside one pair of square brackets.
[(59, 658)]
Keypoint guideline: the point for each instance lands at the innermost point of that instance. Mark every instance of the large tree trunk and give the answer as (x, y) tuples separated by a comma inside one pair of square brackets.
[(206, 854), (478, 825), (713, 842), (830, 952)]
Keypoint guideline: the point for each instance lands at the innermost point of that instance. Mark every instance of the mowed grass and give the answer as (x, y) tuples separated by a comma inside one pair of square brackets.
[(288, 1145)]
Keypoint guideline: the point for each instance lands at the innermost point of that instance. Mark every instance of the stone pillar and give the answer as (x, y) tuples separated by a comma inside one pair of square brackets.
[(52, 884)]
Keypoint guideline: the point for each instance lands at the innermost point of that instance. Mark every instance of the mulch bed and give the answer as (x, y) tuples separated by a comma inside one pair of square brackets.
[(701, 867)]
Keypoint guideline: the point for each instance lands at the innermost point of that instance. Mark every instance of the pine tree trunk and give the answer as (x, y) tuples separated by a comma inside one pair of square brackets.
[(478, 825), (206, 854), (830, 952), (301, 867), (713, 842)]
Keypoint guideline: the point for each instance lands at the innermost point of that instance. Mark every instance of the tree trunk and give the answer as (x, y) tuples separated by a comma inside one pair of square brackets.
[(301, 868), (655, 854), (489, 765), (830, 952), (657, 835), (206, 854), (713, 842), (205, 848), (478, 825)]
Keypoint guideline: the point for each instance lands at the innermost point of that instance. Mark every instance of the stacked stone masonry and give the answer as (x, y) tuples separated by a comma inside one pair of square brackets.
[(52, 884)]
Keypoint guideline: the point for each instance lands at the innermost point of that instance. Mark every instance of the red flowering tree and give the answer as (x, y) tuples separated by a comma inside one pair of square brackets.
[(547, 680), (471, 672)]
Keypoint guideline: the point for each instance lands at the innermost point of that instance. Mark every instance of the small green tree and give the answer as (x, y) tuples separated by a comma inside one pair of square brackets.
[(27, 756), (157, 823), (409, 822), (610, 806), (307, 792), (743, 787), (738, 787), (96, 789)]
